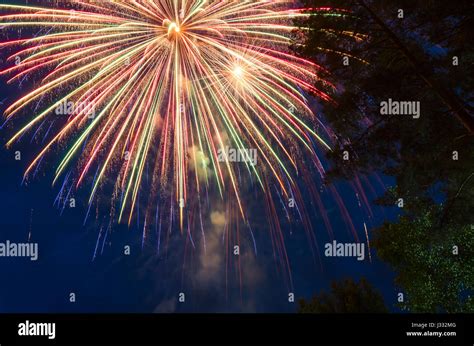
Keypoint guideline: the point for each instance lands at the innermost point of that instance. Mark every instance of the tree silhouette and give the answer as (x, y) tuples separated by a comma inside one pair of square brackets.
[(346, 296), (434, 263), (407, 50)]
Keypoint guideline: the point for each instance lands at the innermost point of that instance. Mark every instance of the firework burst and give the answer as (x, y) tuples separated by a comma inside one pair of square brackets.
[(166, 87), (171, 74)]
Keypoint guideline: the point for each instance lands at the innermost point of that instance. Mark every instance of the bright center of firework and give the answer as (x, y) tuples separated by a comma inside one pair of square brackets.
[(238, 72), (173, 28)]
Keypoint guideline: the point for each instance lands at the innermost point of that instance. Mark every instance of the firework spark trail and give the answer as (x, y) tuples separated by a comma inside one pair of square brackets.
[(171, 84), (368, 241), (169, 65)]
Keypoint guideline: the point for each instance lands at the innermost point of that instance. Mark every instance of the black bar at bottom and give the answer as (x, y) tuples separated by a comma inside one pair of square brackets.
[(292, 329)]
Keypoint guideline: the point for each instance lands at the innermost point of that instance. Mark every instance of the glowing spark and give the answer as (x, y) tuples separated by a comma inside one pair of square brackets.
[(238, 72)]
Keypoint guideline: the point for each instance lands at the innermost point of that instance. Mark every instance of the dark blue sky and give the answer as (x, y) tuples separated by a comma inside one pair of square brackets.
[(146, 281)]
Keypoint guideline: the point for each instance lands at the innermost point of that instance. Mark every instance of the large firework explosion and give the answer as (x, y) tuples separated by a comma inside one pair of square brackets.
[(128, 89)]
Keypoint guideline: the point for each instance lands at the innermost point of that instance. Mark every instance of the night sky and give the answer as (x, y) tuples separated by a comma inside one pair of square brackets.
[(147, 281)]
